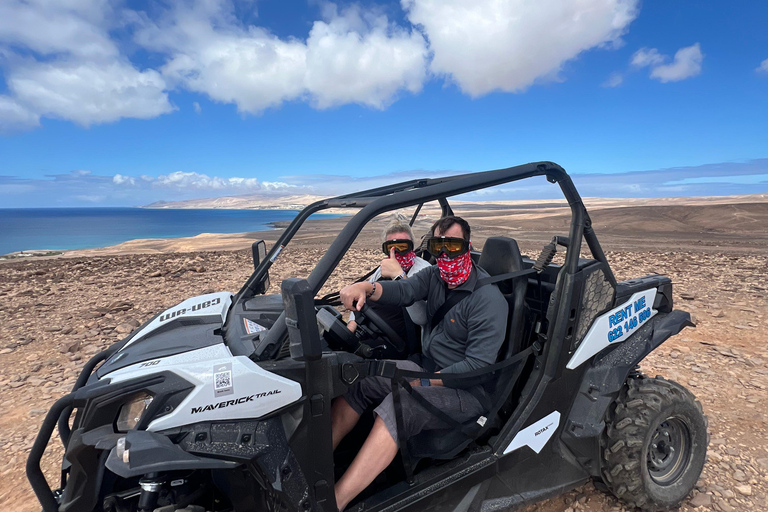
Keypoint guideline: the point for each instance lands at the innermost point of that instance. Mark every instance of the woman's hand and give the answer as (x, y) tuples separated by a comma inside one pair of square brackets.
[(390, 268)]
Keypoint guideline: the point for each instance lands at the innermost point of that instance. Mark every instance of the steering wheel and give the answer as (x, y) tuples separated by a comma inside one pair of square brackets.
[(393, 338)]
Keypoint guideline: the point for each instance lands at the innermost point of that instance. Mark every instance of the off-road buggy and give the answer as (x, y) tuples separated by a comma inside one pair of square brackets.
[(223, 402)]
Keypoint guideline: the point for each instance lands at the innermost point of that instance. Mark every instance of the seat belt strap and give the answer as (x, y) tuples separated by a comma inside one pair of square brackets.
[(456, 296), (400, 424)]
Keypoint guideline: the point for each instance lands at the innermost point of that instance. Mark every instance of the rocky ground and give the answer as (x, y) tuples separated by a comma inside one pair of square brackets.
[(56, 313)]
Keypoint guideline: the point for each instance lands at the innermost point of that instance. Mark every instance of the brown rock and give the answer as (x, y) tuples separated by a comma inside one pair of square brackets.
[(120, 305), (687, 296), (52, 328), (124, 328), (6, 351), (701, 500), (745, 489), (718, 313), (739, 476), (70, 348)]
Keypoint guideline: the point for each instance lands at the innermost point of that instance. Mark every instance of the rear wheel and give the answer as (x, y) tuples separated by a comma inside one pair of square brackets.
[(655, 443)]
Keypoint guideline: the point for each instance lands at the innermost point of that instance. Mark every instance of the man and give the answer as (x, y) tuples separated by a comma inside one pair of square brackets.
[(468, 337), (401, 263)]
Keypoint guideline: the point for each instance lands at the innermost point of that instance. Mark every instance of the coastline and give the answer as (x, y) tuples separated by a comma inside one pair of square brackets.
[(732, 224)]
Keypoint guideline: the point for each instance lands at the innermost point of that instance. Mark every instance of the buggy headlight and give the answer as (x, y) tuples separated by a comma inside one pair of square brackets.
[(131, 412)]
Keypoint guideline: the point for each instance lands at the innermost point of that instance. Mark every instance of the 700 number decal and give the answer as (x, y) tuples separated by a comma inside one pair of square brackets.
[(624, 321)]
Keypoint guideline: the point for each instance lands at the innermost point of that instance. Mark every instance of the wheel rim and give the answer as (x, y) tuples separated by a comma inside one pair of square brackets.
[(669, 451)]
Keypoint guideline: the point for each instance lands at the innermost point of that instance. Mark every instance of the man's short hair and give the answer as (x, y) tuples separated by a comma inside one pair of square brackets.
[(398, 224), (445, 223)]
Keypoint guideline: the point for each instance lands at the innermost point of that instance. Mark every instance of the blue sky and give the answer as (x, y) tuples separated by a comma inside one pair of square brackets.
[(125, 103)]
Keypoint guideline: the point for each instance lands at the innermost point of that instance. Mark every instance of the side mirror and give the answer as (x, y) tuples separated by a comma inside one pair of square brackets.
[(259, 252), (301, 320)]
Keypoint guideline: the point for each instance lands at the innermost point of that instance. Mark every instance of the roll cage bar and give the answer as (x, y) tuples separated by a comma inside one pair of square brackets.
[(379, 200)]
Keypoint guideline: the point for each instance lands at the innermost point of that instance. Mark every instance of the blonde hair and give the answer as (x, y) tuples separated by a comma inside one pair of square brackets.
[(398, 224)]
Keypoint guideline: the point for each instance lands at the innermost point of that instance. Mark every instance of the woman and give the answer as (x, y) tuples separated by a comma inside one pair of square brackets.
[(401, 263)]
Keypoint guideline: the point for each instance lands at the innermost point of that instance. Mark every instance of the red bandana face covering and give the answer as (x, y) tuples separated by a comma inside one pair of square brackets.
[(455, 271), (405, 260)]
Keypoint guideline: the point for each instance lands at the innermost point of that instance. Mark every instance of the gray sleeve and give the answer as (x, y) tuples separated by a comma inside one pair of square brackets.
[(405, 291), (487, 326)]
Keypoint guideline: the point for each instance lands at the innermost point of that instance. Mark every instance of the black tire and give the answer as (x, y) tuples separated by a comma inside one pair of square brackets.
[(654, 445)]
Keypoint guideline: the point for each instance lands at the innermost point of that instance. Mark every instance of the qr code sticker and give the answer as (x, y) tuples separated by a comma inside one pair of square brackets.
[(222, 380)]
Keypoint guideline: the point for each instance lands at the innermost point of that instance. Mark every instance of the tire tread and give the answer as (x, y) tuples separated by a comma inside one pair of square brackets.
[(627, 424)]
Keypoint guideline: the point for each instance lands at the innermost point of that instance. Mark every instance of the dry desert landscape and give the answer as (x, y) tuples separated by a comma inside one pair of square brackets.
[(56, 312)]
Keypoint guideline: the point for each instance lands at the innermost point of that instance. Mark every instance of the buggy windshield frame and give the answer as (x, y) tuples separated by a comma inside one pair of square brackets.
[(375, 201)]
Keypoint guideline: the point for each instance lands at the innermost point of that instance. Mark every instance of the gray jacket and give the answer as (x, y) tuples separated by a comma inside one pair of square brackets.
[(470, 334)]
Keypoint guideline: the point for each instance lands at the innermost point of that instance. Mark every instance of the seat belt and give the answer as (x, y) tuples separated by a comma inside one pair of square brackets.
[(456, 296), (399, 378)]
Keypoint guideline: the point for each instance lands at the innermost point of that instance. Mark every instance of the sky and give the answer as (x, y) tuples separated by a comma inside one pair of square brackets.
[(110, 103)]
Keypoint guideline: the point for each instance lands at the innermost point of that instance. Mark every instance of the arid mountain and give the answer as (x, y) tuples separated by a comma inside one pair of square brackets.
[(246, 202)]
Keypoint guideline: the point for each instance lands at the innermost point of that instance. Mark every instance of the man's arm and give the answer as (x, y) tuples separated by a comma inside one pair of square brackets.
[(354, 296), (406, 291), (399, 293), (486, 328)]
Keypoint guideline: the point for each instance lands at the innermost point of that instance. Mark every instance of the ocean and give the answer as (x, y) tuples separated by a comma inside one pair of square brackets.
[(26, 229)]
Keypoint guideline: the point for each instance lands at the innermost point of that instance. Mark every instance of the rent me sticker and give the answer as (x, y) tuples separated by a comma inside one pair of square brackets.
[(628, 319), (615, 326)]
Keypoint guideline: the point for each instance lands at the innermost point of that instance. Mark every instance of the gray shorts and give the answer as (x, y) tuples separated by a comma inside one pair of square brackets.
[(457, 403)]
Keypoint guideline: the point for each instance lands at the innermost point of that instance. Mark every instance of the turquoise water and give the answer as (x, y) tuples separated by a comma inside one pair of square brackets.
[(81, 228)]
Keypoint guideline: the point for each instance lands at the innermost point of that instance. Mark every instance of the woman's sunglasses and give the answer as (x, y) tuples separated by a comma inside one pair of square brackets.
[(400, 245), (448, 245)]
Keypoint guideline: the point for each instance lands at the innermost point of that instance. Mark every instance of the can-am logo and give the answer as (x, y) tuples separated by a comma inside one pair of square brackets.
[(236, 401), (183, 311)]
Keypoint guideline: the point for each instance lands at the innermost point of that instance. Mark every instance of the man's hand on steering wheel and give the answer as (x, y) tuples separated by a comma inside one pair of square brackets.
[(353, 296)]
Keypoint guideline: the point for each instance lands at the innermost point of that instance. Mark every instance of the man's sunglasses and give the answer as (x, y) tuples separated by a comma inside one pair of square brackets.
[(448, 245), (400, 245)]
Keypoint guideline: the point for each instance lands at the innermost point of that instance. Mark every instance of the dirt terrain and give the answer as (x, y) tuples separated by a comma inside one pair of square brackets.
[(56, 312)]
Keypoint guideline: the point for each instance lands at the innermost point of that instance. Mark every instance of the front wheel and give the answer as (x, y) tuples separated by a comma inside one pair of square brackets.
[(655, 443)]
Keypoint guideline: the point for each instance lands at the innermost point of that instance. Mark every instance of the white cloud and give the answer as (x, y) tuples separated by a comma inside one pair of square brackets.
[(50, 27), (647, 57), (88, 92), (69, 59), (687, 63), (198, 181), (15, 117), (196, 107), (490, 45), (358, 57), (354, 56), (763, 67), (119, 179), (614, 80), (61, 62)]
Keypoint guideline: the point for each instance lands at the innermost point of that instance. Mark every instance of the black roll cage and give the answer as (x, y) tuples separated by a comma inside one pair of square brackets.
[(379, 200)]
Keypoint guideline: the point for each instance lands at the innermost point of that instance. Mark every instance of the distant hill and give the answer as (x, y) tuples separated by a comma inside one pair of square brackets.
[(297, 202), (245, 202)]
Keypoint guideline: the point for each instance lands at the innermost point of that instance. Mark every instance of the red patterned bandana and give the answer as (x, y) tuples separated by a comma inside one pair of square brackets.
[(405, 260), (455, 271)]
